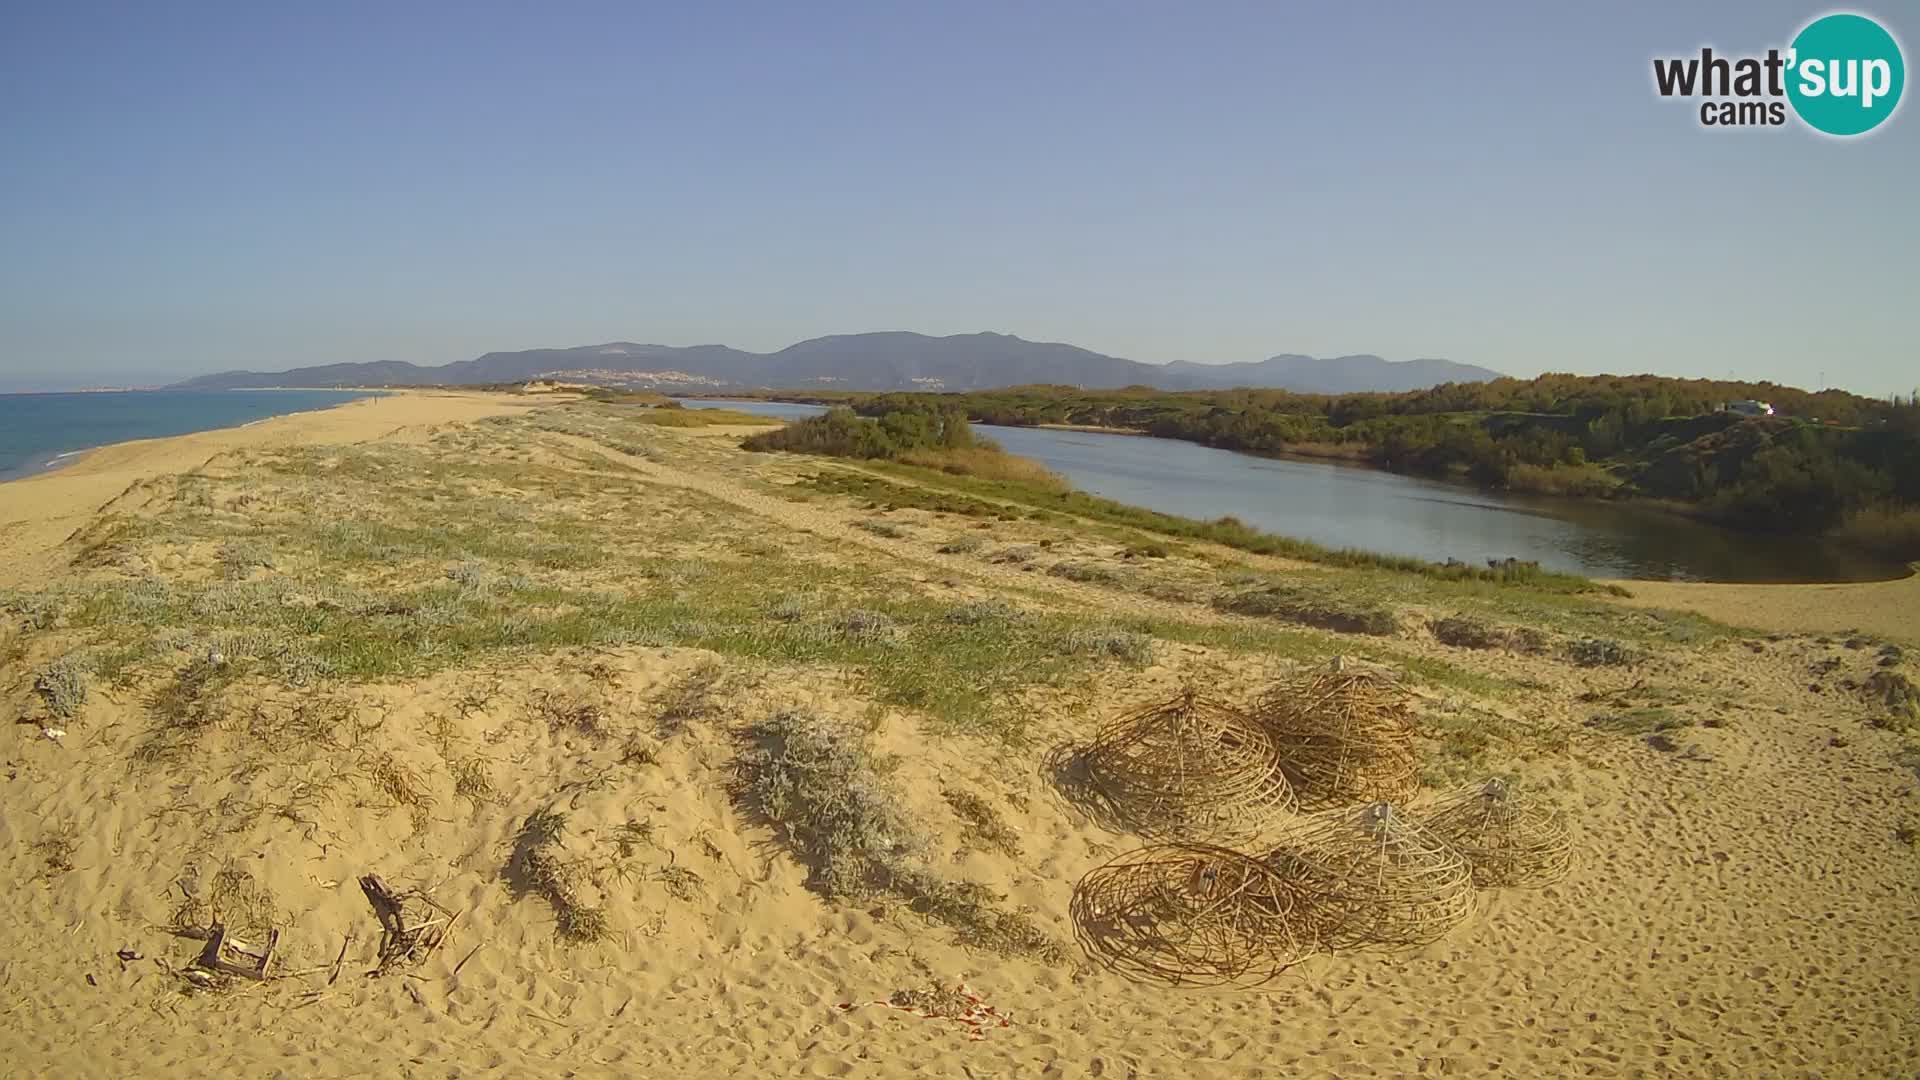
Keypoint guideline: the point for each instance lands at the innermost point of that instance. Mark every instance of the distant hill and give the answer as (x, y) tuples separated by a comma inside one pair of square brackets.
[(1334, 375), (878, 361)]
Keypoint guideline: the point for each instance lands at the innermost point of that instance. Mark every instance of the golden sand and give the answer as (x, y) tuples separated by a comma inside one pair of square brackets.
[(1886, 608)]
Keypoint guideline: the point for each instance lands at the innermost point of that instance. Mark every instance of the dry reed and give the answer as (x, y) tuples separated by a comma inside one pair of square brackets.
[(1377, 879), (1343, 734), (1193, 914), (1508, 839), (1188, 769)]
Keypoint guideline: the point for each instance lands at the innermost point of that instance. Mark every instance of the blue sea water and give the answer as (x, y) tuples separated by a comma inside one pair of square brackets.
[(38, 430)]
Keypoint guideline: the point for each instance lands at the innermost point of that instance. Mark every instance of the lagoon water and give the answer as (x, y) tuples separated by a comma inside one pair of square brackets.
[(1343, 505), (38, 430)]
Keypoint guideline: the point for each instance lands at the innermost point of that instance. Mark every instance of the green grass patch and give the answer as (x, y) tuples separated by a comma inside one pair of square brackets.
[(1640, 721), (679, 417), (1308, 606), (891, 496), (1468, 743)]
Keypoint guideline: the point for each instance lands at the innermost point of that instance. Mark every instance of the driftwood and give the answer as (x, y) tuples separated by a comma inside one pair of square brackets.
[(231, 956), (412, 925)]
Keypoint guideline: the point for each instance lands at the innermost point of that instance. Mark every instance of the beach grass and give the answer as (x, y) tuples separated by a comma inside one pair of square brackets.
[(466, 556)]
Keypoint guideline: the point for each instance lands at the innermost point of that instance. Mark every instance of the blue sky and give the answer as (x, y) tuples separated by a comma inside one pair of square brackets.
[(196, 187)]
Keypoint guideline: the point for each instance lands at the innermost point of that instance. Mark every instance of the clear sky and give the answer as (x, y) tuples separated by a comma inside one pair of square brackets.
[(193, 187)]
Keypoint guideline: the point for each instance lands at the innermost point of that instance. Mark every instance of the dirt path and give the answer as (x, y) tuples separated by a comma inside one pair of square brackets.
[(840, 528)]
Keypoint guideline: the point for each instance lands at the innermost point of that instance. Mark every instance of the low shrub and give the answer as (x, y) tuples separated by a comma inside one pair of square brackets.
[(1128, 645), (62, 685), (834, 801), (1528, 639), (1087, 573), (836, 805), (1308, 608), (239, 558), (541, 865), (1465, 632), (975, 612), (1897, 695), (1600, 652), (862, 625), (1642, 721)]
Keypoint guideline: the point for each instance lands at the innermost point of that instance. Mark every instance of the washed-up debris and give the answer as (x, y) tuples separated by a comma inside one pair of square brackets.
[(412, 925), (960, 1005), (230, 955)]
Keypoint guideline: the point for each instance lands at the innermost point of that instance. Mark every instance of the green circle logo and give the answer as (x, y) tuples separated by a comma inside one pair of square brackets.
[(1845, 74)]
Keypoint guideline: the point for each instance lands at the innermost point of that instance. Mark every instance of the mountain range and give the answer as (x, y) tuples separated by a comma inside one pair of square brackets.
[(878, 361)]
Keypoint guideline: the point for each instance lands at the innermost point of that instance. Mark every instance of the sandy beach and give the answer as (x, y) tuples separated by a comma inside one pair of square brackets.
[(37, 512), (1889, 608), (518, 656)]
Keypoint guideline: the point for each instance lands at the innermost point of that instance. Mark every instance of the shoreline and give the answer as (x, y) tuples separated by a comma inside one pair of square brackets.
[(1862, 565), (42, 509), (67, 458), (1097, 429)]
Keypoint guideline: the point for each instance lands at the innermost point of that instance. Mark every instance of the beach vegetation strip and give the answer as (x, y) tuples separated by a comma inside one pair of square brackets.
[(288, 567)]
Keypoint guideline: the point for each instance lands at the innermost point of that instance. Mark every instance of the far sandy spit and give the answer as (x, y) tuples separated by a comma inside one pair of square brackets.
[(38, 512), (1882, 608)]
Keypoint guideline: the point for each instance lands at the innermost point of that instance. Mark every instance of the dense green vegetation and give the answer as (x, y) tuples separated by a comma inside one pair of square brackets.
[(897, 429), (1830, 461)]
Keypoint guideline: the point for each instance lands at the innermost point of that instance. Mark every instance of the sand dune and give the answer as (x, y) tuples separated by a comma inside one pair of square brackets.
[(1740, 905)]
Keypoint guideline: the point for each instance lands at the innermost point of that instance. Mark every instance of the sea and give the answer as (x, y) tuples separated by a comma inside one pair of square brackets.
[(39, 431)]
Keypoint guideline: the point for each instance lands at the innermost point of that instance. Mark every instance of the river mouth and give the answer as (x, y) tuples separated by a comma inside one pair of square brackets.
[(1343, 504)]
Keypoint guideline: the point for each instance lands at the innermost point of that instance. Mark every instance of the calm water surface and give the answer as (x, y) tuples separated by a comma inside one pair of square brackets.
[(1349, 506)]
